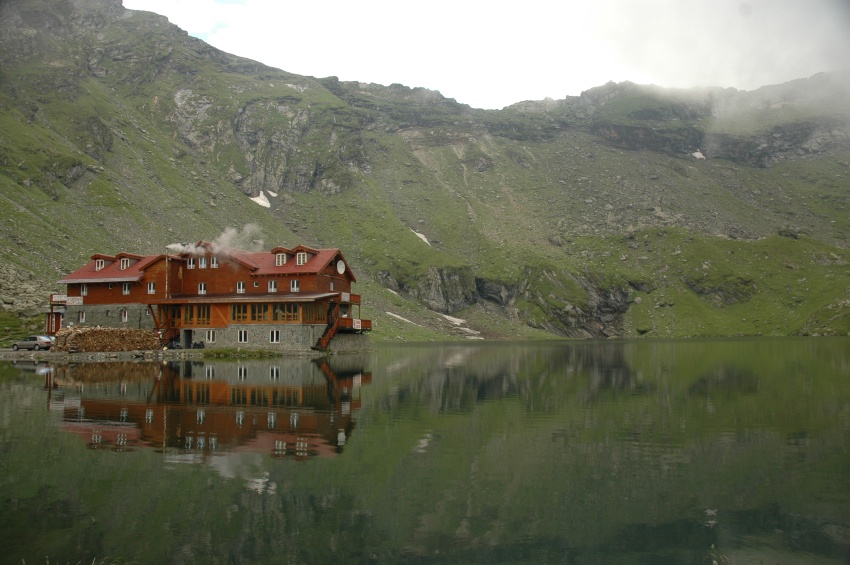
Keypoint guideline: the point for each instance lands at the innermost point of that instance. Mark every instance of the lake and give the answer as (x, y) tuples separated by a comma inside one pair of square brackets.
[(733, 450)]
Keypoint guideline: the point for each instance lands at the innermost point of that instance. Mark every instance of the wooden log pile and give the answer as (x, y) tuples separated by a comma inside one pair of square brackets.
[(93, 340), (106, 372)]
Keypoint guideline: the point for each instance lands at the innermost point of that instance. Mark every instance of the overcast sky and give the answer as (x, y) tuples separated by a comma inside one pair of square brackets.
[(490, 54)]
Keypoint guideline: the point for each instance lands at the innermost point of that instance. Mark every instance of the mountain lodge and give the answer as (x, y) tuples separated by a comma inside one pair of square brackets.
[(204, 294)]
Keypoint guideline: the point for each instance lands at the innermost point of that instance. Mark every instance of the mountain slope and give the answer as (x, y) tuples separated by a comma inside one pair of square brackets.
[(630, 210)]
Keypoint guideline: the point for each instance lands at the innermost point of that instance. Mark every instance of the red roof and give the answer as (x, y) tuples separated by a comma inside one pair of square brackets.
[(111, 271), (259, 263), (265, 262)]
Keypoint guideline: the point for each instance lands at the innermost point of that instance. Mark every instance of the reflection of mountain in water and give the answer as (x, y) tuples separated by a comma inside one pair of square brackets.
[(455, 378), (194, 410), (459, 377)]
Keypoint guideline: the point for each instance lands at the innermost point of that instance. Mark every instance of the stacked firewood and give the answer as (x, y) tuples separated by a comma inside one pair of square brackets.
[(92, 340), (106, 372)]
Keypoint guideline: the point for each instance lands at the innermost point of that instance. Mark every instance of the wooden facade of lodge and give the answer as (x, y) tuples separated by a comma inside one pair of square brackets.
[(288, 299)]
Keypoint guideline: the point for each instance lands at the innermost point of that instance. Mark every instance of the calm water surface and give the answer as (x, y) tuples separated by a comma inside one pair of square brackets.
[(613, 452)]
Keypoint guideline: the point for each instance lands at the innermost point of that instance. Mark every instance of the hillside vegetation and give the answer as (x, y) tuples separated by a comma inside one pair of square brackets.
[(627, 211)]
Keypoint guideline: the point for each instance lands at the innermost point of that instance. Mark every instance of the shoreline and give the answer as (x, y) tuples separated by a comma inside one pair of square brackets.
[(141, 355)]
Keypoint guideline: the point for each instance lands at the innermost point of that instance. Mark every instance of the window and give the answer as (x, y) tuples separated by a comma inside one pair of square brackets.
[(84, 289), (272, 286), (210, 336), (274, 373), (242, 337), (213, 262), (209, 370), (240, 287), (294, 285), (332, 285), (99, 264), (190, 263), (125, 288), (256, 284), (280, 259), (124, 315), (274, 336), (189, 315), (301, 258), (203, 316), (151, 288), (239, 312), (81, 317), (202, 262), (242, 371), (259, 312), (125, 263), (285, 313), (202, 288)]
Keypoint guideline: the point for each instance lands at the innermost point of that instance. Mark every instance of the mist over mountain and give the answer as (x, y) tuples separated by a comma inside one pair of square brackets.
[(627, 211)]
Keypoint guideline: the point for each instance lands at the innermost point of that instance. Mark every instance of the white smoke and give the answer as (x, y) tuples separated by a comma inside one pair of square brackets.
[(186, 249), (246, 239)]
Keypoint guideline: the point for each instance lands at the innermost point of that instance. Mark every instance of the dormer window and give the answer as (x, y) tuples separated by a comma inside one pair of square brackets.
[(280, 259), (99, 264), (301, 258), (125, 263)]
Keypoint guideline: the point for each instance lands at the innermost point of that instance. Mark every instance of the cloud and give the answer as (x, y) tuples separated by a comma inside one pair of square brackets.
[(490, 54)]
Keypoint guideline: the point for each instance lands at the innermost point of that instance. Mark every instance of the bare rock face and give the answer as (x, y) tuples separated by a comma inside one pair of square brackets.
[(799, 140), (21, 292), (447, 290)]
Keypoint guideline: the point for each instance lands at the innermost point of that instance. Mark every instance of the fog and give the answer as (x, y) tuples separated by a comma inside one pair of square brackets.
[(490, 54)]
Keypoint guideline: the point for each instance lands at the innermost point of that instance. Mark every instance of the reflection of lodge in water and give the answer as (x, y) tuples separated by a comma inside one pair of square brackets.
[(283, 407)]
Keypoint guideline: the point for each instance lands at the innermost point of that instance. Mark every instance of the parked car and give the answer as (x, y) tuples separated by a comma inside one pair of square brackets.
[(34, 342)]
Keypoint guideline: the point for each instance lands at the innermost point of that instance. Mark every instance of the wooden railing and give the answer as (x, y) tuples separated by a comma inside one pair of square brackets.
[(342, 323)]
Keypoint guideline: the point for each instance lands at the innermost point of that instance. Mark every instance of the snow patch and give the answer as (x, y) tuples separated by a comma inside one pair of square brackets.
[(469, 333), (698, 155), (262, 200), (455, 321), (396, 316), (421, 236), (273, 194)]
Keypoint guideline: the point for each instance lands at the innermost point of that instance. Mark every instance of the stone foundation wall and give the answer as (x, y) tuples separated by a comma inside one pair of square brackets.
[(293, 337), (348, 343), (109, 316)]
